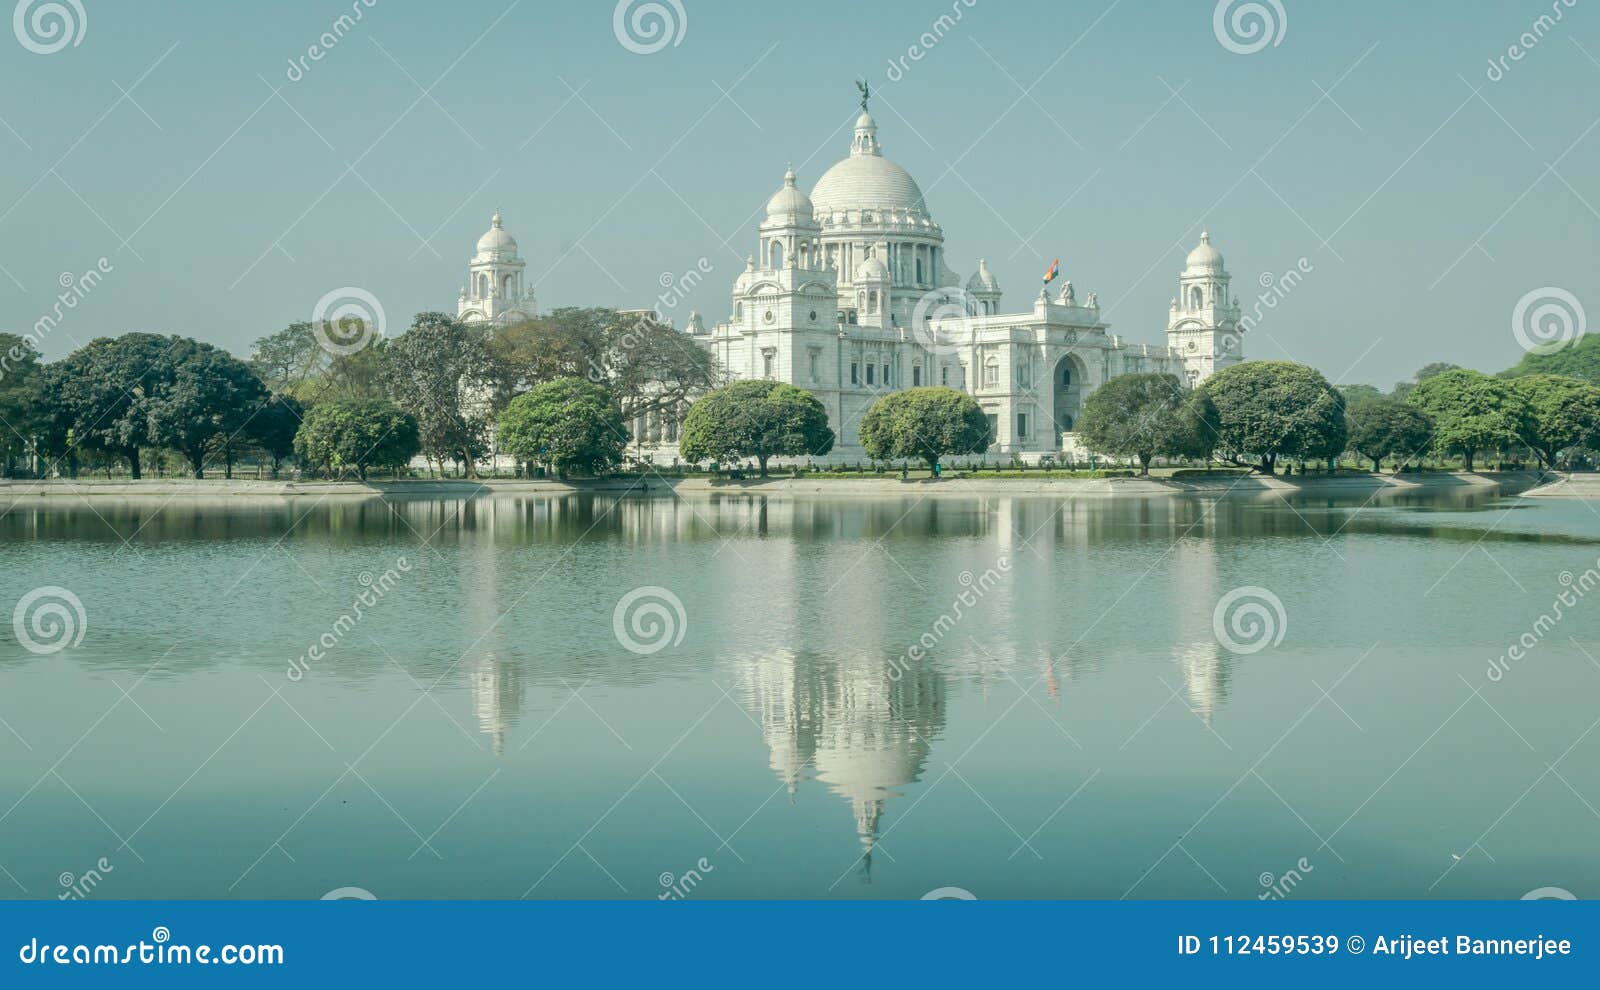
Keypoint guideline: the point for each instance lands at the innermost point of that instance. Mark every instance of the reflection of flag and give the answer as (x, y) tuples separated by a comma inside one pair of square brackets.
[(1054, 270)]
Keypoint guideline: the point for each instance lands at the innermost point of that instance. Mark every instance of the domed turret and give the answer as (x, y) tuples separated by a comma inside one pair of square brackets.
[(496, 244), (872, 270), (789, 204), (1204, 257)]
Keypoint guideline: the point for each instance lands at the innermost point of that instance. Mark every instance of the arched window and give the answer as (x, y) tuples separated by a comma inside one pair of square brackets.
[(505, 286), (483, 286), (919, 271), (1066, 376), (1196, 298), (777, 254), (738, 310)]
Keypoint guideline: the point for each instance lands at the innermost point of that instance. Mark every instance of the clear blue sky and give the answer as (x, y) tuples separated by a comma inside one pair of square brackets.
[(1425, 211)]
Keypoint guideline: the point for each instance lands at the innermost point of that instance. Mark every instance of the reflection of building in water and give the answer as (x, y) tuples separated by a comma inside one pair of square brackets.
[(866, 732), (494, 678), (1199, 657)]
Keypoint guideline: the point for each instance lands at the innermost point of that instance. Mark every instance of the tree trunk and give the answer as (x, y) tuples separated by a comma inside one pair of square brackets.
[(762, 458), (1468, 460), (133, 462), (361, 472), (1144, 465)]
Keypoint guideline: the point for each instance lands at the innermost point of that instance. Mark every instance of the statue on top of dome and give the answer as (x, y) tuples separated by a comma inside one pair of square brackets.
[(866, 93)]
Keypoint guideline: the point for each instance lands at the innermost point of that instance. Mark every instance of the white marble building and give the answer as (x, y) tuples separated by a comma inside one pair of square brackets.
[(495, 291), (850, 295)]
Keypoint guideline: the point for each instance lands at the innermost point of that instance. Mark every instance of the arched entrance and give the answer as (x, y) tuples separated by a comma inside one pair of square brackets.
[(1067, 387)]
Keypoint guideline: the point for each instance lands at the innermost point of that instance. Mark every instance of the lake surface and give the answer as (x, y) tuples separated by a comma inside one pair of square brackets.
[(809, 698)]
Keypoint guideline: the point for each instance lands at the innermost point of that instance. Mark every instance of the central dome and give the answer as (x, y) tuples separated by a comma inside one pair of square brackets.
[(867, 180)]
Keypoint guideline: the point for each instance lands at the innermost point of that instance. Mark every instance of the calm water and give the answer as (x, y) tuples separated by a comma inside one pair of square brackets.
[(1074, 729)]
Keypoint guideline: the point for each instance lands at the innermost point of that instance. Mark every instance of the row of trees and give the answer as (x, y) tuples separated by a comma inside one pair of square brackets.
[(438, 389)]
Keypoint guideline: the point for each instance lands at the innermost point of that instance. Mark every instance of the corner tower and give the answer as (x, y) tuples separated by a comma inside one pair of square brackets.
[(1204, 323)]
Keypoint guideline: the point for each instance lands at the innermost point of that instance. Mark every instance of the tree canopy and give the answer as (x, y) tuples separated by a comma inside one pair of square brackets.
[(757, 419), (208, 400), (1382, 427), (925, 423), (438, 371), (1579, 359), (1147, 416), (569, 424), (1472, 412), (1266, 410), (358, 434), (1565, 414)]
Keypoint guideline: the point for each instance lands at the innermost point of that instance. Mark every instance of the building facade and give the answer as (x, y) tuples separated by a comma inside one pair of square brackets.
[(849, 295)]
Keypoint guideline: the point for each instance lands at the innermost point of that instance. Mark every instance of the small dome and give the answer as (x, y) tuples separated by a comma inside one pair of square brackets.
[(789, 203), (497, 242), (982, 280), (872, 270), (1205, 256)]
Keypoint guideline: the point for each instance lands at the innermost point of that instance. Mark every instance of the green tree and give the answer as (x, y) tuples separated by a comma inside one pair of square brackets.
[(926, 423), (274, 427), (1142, 416), (649, 366), (358, 434), (206, 404), (1566, 414), (23, 414), (1359, 393), (757, 419), (1472, 412), (107, 390), (569, 424), (1266, 410), (1383, 426), (1579, 359), (289, 359), (438, 371)]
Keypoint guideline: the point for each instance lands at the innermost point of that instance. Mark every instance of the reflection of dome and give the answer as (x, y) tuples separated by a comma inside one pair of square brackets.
[(497, 244), (865, 732), (983, 280), (1205, 256), (789, 203), (867, 180)]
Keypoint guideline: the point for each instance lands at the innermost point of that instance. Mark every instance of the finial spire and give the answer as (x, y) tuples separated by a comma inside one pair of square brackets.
[(866, 93)]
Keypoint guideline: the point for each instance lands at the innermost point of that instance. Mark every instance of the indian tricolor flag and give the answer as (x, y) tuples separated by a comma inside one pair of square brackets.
[(1051, 273)]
